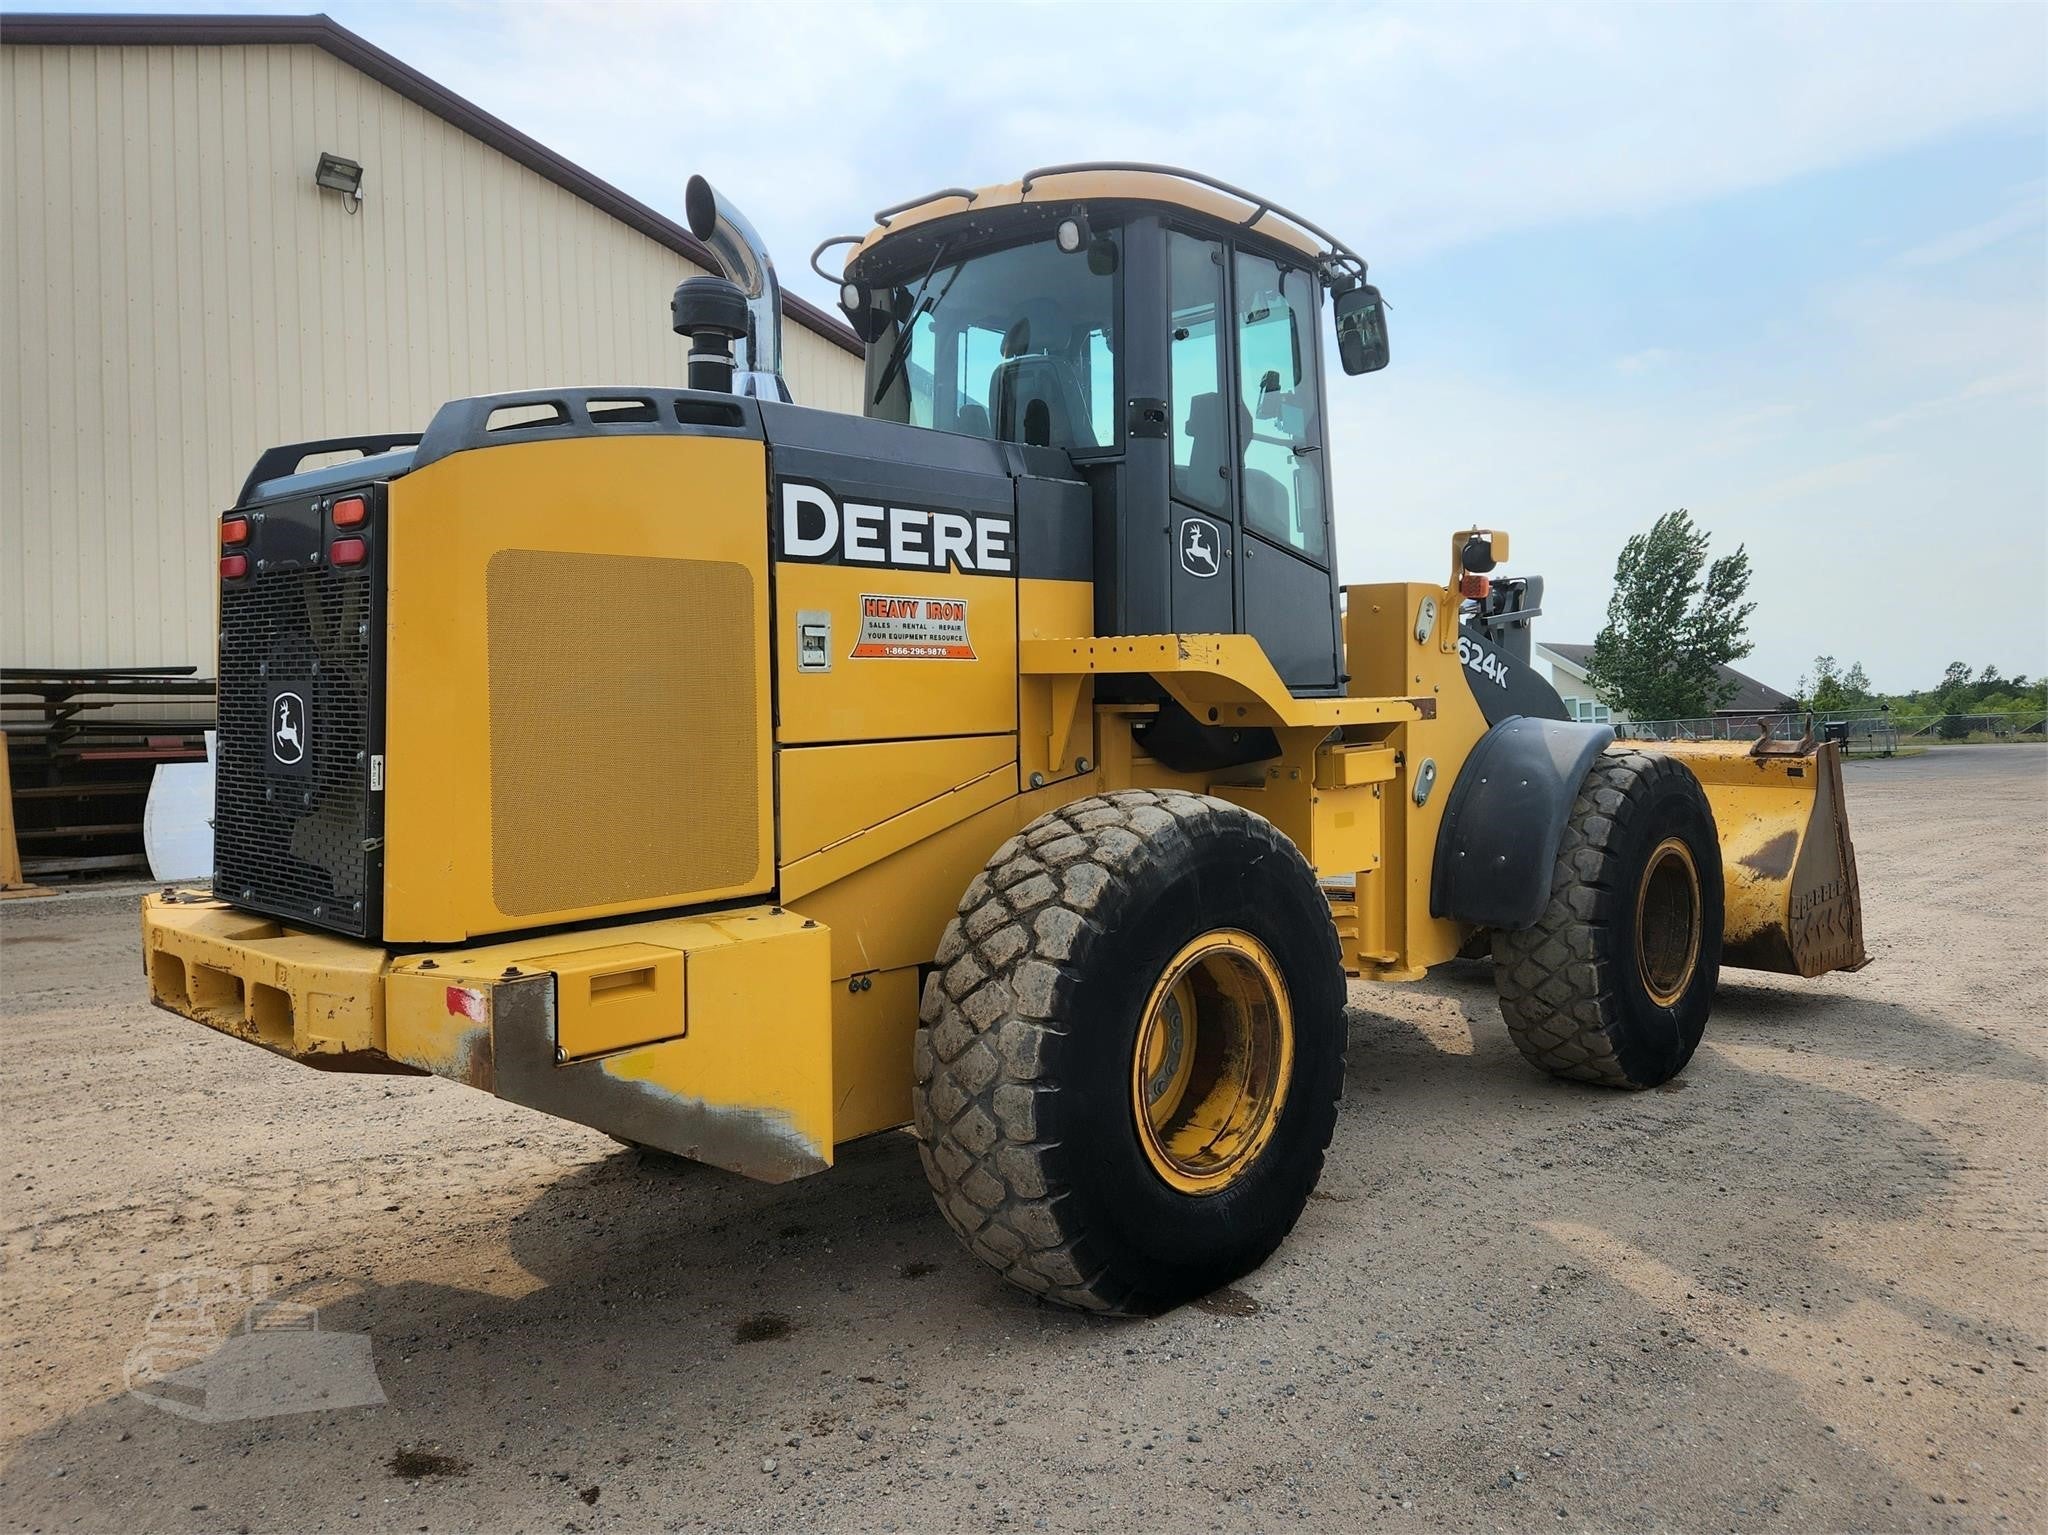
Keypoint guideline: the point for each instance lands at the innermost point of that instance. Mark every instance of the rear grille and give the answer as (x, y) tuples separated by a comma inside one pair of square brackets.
[(298, 671)]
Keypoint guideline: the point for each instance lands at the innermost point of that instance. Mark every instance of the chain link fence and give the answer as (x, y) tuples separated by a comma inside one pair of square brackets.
[(1858, 732)]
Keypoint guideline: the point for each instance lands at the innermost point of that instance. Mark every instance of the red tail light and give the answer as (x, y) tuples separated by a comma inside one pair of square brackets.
[(350, 512), (1470, 585), (233, 566), (348, 551), (234, 530)]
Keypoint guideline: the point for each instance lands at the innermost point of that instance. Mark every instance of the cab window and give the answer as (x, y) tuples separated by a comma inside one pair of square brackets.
[(1283, 470), (1201, 436), (1017, 344)]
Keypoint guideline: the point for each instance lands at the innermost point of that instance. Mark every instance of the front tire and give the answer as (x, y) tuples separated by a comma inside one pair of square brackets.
[(1129, 1057), (1614, 982)]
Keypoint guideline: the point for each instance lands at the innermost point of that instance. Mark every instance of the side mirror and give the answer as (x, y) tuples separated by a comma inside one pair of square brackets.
[(1361, 330)]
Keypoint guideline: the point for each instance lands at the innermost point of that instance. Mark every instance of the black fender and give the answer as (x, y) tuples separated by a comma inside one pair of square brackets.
[(1506, 816)]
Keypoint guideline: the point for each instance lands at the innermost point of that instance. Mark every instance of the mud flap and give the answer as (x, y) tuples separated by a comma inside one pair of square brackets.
[(1793, 903)]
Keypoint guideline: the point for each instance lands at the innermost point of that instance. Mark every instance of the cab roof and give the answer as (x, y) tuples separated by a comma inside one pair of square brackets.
[(1108, 181)]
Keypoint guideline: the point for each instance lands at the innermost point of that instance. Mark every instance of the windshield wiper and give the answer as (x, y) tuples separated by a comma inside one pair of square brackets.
[(900, 353)]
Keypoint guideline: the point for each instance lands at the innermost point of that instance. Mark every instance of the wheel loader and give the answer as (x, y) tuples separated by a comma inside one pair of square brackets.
[(1007, 762)]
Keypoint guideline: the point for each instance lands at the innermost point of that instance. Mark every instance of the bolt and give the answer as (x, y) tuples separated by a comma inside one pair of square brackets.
[(511, 971), (428, 964), (1038, 780), (561, 1055), (1081, 764)]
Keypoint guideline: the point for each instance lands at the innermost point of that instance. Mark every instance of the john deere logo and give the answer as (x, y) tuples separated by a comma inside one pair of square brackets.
[(288, 728), (1201, 547)]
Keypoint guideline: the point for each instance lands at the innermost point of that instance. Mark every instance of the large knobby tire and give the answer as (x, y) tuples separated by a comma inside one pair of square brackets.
[(1614, 982), (1169, 923)]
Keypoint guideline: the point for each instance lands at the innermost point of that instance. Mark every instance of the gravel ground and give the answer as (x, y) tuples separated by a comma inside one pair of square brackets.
[(1801, 1288)]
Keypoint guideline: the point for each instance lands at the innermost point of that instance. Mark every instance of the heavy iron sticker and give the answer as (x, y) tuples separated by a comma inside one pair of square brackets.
[(912, 629)]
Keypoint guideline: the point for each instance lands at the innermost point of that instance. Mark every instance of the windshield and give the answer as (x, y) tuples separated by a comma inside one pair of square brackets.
[(1018, 345)]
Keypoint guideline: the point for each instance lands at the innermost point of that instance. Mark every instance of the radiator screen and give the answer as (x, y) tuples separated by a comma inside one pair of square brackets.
[(624, 745)]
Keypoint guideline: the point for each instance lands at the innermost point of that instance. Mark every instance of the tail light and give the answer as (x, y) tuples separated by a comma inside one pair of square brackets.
[(234, 530), (233, 566), (350, 512), (348, 551)]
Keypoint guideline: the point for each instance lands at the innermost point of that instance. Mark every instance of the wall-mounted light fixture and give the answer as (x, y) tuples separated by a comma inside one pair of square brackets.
[(341, 175)]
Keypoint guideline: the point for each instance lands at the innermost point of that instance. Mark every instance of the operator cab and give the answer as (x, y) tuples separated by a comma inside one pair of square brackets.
[(1163, 331)]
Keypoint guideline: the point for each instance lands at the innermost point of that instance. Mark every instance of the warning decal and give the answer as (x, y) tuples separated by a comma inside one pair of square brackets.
[(912, 629)]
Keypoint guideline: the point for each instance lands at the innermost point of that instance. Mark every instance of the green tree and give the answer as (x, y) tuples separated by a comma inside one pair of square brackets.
[(1673, 621), (1826, 693), (1954, 696), (1830, 690)]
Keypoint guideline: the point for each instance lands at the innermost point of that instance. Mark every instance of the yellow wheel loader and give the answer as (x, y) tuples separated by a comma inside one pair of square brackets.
[(740, 779)]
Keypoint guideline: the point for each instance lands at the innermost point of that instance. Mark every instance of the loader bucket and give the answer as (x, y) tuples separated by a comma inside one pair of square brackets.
[(1788, 866)]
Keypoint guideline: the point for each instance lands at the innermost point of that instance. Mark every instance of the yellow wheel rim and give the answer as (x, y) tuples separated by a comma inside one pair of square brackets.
[(1668, 922), (1214, 1053)]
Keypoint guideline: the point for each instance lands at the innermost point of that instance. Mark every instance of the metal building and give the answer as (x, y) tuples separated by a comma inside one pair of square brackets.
[(178, 293)]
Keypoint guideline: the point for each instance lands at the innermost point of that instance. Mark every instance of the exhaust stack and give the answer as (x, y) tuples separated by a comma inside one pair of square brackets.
[(744, 260)]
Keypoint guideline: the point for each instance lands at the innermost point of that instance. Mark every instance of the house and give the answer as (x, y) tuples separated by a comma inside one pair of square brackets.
[(1567, 673)]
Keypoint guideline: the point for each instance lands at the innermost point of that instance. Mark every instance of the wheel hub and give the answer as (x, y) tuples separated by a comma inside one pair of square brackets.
[(1214, 1051), (1668, 922)]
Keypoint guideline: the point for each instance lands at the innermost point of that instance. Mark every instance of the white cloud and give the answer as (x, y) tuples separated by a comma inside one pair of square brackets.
[(1411, 130), (2023, 217), (1407, 129), (2018, 381), (1648, 360)]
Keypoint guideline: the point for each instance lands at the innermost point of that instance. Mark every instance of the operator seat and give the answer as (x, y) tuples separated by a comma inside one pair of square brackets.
[(971, 420), (1036, 399), (1266, 505)]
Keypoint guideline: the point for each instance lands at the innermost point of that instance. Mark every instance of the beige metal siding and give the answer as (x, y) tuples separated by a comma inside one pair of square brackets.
[(177, 295)]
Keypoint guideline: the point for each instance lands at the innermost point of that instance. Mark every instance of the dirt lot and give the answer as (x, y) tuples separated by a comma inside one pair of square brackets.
[(1801, 1289)]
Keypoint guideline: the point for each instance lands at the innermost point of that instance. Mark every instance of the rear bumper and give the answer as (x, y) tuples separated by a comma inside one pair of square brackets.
[(706, 1036)]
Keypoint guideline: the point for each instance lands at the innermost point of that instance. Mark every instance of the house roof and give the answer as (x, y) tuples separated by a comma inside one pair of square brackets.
[(119, 31), (1750, 697)]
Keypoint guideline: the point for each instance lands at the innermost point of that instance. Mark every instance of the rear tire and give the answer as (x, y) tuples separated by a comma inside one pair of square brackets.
[(1163, 955), (1614, 982)]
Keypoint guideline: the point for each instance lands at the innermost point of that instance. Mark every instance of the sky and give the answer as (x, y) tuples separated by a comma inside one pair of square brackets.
[(1785, 266)]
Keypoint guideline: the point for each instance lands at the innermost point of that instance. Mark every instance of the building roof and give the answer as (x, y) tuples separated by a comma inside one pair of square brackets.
[(1750, 697), (123, 31)]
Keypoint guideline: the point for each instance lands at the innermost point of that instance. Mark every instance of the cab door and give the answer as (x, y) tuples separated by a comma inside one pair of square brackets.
[(1287, 566), (1201, 521)]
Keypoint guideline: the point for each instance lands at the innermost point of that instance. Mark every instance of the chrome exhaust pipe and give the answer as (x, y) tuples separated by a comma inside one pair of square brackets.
[(744, 260)]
